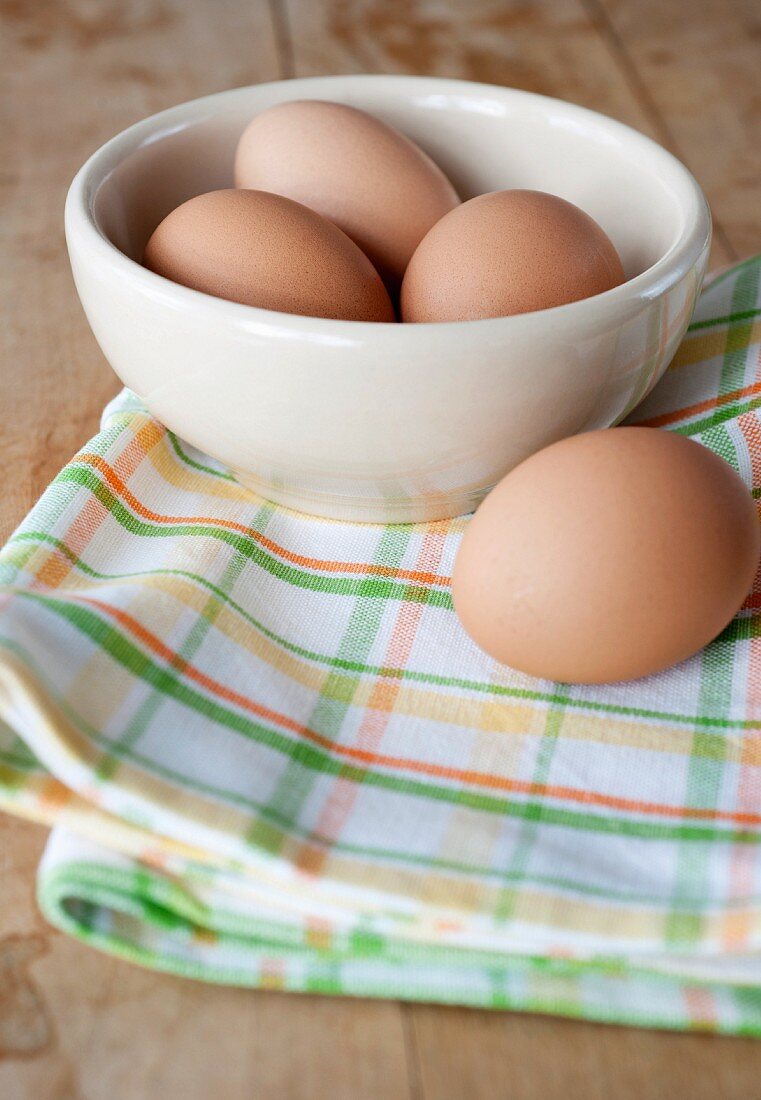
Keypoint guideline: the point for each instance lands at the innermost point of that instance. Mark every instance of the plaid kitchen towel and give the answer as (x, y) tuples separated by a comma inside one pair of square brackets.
[(271, 757)]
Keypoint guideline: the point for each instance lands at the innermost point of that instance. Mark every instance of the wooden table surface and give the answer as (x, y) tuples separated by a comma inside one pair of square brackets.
[(74, 1024)]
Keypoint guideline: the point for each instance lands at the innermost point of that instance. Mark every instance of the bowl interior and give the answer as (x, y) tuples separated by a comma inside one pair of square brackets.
[(484, 138)]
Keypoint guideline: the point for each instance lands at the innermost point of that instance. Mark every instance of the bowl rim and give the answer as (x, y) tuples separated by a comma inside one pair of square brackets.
[(627, 298)]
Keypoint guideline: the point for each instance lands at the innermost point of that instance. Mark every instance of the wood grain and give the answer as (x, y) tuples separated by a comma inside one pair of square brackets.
[(76, 1024), (548, 46), (484, 1056), (73, 74)]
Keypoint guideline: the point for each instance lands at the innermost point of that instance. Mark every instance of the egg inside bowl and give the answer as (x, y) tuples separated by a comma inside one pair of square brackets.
[(385, 422)]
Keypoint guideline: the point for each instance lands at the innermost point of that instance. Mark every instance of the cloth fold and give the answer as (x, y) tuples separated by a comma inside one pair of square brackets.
[(271, 757)]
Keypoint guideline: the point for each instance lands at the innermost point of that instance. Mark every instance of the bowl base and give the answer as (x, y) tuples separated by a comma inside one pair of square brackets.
[(356, 509)]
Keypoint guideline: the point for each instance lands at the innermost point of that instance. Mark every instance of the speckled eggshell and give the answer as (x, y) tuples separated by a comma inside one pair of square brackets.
[(268, 251), (607, 556), (366, 176), (507, 252)]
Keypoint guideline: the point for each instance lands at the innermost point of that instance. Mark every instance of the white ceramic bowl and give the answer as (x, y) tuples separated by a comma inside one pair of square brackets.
[(390, 422)]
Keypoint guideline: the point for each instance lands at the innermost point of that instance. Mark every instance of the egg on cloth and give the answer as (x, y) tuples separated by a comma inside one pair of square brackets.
[(266, 250), (507, 252), (367, 177), (607, 556)]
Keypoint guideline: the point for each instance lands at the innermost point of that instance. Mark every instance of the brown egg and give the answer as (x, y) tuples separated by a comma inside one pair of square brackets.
[(367, 177), (507, 252), (608, 556), (265, 250)]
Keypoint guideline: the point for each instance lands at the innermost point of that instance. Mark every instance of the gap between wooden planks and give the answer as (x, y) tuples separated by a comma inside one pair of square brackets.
[(626, 59), (74, 73)]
